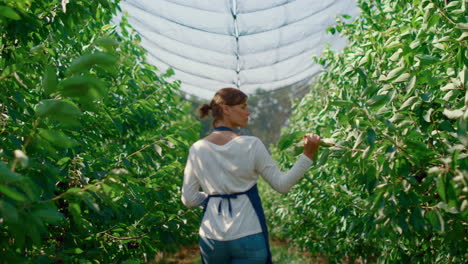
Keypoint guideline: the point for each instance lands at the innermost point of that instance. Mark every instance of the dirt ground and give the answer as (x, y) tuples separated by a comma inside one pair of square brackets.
[(282, 253)]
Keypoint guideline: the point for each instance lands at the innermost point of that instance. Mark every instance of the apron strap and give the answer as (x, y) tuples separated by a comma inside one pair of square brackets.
[(224, 196), (254, 198), (257, 205)]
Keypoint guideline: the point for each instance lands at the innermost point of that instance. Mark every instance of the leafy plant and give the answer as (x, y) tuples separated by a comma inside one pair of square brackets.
[(92, 150), (393, 186)]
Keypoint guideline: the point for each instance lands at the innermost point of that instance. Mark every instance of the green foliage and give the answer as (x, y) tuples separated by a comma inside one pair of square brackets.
[(393, 186), (92, 154)]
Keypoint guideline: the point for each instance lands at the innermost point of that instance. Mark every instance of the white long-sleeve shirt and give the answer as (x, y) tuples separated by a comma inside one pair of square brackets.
[(231, 168)]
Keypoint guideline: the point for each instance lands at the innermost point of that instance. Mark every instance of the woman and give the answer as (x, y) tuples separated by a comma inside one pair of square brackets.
[(226, 166)]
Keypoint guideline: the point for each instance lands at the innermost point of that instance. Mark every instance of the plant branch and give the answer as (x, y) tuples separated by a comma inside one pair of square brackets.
[(4, 77), (138, 151), (60, 196), (125, 238), (442, 12), (18, 79)]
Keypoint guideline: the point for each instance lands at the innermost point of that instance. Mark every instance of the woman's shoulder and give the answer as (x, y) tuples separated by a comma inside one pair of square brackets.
[(249, 138), (243, 139)]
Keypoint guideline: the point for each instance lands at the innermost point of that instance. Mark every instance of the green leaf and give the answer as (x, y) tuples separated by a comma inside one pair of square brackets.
[(83, 86), (169, 72), (34, 234), (348, 69), (411, 85), (75, 251), (359, 140), (409, 102), (416, 43), (370, 136), (75, 211), (52, 106), (49, 80), (331, 30), (462, 130), (74, 190), (7, 176), (49, 215), (417, 219), (342, 103), (463, 26), (327, 142), (453, 114), (324, 156), (427, 59), (107, 27), (158, 149), (107, 43), (427, 115), (394, 73), (441, 186), (435, 219), (8, 211), (63, 161), (8, 12), (58, 110), (463, 75), (13, 194), (452, 4), (378, 198), (444, 206), (402, 78), (363, 60), (377, 100), (57, 138), (288, 140), (402, 224), (85, 62), (393, 45), (396, 56), (367, 152), (448, 87)]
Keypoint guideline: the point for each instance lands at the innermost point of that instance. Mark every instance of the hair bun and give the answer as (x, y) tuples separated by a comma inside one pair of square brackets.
[(204, 109)]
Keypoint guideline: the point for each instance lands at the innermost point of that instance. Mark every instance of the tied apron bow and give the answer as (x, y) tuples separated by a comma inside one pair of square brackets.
[(254, 198), (224, 196)]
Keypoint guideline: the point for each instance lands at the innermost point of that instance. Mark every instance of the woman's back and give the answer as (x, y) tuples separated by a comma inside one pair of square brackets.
[(228, 168), (224, 169), (232, 168)]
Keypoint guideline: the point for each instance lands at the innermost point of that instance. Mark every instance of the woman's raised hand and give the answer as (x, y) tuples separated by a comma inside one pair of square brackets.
[(311, 145)]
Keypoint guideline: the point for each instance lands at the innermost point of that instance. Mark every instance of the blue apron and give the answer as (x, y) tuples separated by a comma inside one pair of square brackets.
[(254, 198)]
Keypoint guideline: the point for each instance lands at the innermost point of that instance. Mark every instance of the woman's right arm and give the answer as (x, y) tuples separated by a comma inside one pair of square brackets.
[(191, 195), (282, 182)]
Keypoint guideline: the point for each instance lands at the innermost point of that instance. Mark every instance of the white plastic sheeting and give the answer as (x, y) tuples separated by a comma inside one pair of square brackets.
[(248, 44)]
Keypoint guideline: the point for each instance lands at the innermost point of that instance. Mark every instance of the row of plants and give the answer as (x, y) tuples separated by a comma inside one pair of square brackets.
[(390, 184), (92, 151)]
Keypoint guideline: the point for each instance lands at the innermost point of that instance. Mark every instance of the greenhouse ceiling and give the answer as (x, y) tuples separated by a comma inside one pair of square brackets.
[(245, 44)]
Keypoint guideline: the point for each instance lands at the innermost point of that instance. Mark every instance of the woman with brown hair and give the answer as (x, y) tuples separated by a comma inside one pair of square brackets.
[(226, 166)]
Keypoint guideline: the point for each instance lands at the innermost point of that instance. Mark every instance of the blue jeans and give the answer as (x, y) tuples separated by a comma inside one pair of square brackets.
[(245, 250)]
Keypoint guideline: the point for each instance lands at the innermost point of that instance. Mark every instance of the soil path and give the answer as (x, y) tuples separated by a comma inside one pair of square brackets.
[(282, 252)]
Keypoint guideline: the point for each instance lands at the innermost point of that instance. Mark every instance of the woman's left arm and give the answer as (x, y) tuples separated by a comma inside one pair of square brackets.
[(191, 195)]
